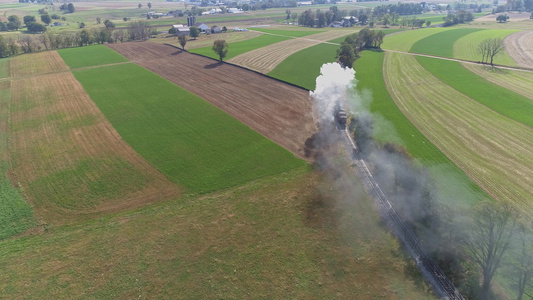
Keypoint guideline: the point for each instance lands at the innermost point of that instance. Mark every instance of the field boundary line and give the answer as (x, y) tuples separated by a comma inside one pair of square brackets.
[(239, 66)]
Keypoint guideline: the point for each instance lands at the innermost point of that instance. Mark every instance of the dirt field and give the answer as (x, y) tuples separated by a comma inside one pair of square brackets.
[(37, 63), (513, 17), (69, 160), (267, 58), (207, 40), (520, 47), (495, 151), (278, 111)]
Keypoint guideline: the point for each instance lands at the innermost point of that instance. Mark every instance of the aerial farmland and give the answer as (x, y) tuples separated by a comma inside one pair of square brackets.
[(266, 150)]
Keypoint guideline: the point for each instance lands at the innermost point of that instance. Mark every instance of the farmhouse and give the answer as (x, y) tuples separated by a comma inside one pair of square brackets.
[(233, 10), (202, 27)]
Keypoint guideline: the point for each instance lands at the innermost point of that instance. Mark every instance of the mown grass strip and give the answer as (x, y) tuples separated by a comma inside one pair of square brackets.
[(292, 33), (404, 40), (454, 185), (241, 47), (442, 43), (4, 68), (467, 47), (16, 215), (191, 141), (303, 67), (89, 56), (495, 97)]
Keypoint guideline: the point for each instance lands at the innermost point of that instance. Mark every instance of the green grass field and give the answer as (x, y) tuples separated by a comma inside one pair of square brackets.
[(495, 97), (404, 40), (392, 126), (4, 68), (190, 141), (466, 47), (292, 33), (275, 238), (90, 56), (442, 43), (303, 67), (16, 215), (241, 47)]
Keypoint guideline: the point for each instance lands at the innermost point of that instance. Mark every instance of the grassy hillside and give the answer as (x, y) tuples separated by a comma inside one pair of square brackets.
[(466, 47), (303, 67), (280, 237), (90, 56), (192, 142), (495, 97), (16, 215), (394, 126), (241, 47), (442, 43), (403, 41)]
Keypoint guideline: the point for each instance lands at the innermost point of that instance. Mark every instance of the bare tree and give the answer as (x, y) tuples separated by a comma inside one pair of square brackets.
[(27, 44), (489, 237), (522, 266), (489, 48)]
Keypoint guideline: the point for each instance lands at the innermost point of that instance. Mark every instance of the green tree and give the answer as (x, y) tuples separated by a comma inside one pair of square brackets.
[(14, 23), (108, 24), (149, 5), (182, 39), (194, 32), (221, 48), (46, 19), (502, 18), (55, 17), (70, 8), (394, 18), (139, 5), (35, 27), (85, 37), (4, 48), (428, 23), (98, 20), (28, 19), (346, 55), (385, 19)]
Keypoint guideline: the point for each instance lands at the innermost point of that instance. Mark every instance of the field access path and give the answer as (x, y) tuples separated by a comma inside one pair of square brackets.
[(281, 112)]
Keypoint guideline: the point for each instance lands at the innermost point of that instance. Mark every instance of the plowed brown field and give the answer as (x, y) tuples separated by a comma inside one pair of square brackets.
[(265, 59), (280, 112), (70, 161), (520, 47)]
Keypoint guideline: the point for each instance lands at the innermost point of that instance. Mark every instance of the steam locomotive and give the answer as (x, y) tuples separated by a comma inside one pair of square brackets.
[(340, 116)]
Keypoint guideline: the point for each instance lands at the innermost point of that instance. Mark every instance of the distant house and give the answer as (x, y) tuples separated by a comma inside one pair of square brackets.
[(216, 29), (203, 28)]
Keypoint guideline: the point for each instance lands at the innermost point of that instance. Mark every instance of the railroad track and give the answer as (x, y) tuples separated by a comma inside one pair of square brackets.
[(441, 284)]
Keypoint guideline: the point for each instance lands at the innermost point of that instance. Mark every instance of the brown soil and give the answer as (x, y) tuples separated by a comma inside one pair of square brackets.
[(519, 45), (279, 111), (70, 160)]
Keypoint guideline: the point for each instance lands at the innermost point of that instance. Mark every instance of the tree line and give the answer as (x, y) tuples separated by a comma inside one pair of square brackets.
[(355, 43), (139, 30)]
